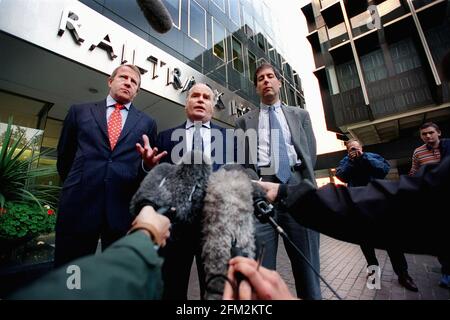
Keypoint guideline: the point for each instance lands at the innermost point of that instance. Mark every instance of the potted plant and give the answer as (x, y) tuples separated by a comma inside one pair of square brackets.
[(26, 205)]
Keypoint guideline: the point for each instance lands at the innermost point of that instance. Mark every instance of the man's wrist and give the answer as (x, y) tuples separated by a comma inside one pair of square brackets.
[(144, 231), (148, 229), (144, 167)]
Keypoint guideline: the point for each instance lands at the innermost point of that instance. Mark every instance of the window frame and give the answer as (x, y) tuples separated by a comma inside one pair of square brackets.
[(179, 15), (189, 25), (242, 55), (214, 20)]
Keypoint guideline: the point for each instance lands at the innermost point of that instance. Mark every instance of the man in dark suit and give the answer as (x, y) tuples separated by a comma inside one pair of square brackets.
[(285, 152), (100, 167), (197, 132), (179, 140)]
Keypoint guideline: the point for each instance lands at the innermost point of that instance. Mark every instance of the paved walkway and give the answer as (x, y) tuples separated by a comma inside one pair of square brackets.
[(344, 267)]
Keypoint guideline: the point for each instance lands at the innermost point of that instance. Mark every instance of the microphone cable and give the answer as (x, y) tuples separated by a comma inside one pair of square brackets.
[(264, 213)]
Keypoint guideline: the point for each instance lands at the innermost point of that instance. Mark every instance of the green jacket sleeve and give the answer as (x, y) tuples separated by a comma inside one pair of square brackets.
[(128, 269)]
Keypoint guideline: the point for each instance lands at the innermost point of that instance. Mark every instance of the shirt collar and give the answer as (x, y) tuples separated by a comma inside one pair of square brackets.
[(110, 102), (190, 124), (265, 107)]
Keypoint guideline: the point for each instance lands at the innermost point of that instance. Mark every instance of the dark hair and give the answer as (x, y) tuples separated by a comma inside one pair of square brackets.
[(132, 67), (263, 66), (429, 124), (353, 140)]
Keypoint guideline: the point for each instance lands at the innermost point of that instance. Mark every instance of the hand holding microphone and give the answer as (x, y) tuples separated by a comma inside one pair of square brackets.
[(154, 224), (270, 188), (259, 283)]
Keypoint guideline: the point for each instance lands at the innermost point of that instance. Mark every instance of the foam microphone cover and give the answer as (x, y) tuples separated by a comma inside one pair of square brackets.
[(156, 14), (153, 189), (258, 192), (227, 217), (182, 186)]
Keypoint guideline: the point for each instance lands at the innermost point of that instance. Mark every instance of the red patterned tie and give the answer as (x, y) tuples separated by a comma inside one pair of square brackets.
[(115, 125)]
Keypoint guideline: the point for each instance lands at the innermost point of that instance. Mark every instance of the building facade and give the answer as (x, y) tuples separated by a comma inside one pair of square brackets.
[(378, 64), (57, 53)]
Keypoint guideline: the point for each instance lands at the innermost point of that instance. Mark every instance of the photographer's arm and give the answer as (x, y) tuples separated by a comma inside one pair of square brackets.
[(384, 214), (129, 269)]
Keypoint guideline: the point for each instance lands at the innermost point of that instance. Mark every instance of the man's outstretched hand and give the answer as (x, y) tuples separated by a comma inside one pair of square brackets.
[(149, 155)]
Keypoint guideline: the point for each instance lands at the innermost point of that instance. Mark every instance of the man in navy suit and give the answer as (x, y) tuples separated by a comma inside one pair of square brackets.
[(182, 246), (101, 168)]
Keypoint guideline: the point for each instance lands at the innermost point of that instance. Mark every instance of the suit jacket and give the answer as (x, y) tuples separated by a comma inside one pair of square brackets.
[(98, 181), (130, 269), (302, 134), (165, 143)]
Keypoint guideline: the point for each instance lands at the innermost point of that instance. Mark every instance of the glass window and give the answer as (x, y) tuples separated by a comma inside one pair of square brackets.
[(404, 56), (238, 63), (283, 94), (251, 65), (297, 81), (291, 96), (373, 66), (249, 27), (347, 76), (173, 6), (234, 11), (220, 4), (197, 23), (287, 70), (218, 34), (271, 50), (260, 39)]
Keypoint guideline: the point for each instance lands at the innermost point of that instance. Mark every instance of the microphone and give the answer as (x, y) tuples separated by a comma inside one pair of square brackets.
[(264, 210), (182, 186), (228, 226), (156, 14)]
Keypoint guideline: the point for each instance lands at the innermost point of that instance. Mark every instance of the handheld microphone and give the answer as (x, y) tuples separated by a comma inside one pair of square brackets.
[(156, 14), (263, 208), (228, 224), (264, 211), (182, 186)]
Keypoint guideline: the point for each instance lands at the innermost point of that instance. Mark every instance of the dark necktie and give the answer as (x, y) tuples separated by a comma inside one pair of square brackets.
[(197, 140)]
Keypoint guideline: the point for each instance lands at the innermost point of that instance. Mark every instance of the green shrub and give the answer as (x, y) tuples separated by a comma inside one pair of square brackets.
[(20, 173), (21, 219)]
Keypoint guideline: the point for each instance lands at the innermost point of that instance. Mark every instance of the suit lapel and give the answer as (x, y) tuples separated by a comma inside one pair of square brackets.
[(252, 122), (293, 122), (98, 110)]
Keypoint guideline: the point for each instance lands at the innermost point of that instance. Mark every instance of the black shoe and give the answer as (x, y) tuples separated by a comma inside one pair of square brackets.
[(407, 282)]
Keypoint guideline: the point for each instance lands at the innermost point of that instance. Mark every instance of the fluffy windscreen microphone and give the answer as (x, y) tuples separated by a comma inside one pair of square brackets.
[(263, 208), (227, 221), (182, 186), (156, 14)]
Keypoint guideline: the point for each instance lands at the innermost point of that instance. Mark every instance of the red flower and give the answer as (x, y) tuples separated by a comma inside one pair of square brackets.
[(50, 212), (2, 210)]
